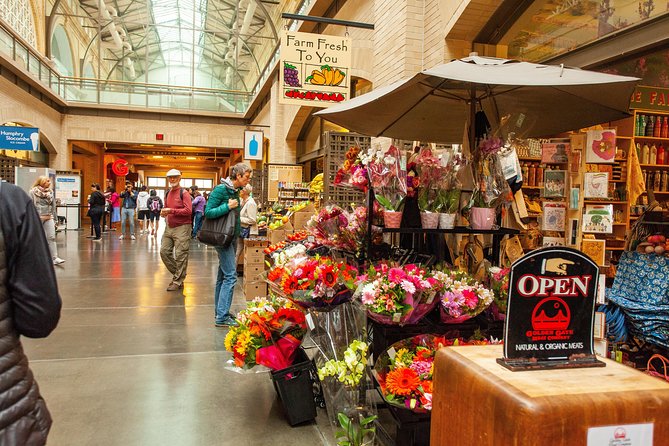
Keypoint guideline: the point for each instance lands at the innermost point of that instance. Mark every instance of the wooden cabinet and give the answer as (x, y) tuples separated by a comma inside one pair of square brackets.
[(477, 402)]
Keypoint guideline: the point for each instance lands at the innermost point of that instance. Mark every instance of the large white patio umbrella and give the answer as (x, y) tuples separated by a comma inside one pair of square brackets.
[(533, 100)]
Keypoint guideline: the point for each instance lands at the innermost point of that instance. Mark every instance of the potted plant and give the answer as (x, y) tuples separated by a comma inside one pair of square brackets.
[(355, 431), (388, 176)]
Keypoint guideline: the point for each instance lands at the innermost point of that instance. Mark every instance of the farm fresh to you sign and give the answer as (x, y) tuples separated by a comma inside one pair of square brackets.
[(315, 69)]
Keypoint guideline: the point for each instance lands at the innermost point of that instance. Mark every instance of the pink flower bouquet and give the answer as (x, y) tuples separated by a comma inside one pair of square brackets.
[(397, 294), (353, 173), (463, 298), (388, 176)]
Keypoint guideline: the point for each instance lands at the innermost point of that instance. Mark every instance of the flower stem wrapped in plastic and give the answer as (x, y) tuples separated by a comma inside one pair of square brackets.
[(491, 188), (388, 176), (269, 333)]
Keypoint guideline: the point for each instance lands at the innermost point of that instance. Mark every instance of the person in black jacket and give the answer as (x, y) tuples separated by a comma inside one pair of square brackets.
[(29, 306), (97, 209)]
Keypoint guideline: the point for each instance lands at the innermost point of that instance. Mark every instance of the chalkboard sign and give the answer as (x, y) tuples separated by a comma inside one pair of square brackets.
[(550, 315)]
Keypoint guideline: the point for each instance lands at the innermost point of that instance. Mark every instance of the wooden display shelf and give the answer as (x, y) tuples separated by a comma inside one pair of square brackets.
[(533, 187), (656, 192), (456, 230), (655, 166), (652, 137), (603, 202), (528, 158)]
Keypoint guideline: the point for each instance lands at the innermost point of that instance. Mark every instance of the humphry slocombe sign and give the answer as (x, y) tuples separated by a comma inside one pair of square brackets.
[(315, 69), (550, 314)]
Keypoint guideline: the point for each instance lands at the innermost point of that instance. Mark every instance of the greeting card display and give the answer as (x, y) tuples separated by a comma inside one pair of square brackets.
[(555, 183), (600, 146), (549, 319), (595, 249), (555, 152), (553, 241), (598, 218), (553, 216), (596, 185)]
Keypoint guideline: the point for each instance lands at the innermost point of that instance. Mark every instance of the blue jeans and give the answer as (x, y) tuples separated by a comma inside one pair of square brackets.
[(225, 282), (197, 223), (128, 214)]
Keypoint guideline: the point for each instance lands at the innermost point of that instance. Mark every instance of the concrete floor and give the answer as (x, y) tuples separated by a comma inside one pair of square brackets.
[(133, 364)]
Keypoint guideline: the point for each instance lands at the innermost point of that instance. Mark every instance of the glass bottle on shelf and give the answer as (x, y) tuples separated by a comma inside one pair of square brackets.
[(645, 154), (664, 133), (532, 175), (637, 125), (540, 175), (656, 181), (653, 155), (650, 125), (660, 155), (657, 130), (642, 125), (525, 172), (663, 181)]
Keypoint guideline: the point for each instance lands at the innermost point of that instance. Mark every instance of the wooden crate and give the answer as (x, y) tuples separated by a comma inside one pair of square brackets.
[(335, 145), (477, 402)]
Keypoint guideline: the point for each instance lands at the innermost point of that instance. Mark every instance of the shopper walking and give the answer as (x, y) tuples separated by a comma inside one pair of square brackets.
[(29, 306), (42, 196), (129, 196), (115, 204), (198, 210), (223, 199), (247, 217), (155, 204), (143, 210), (96, 203), (176, 238)]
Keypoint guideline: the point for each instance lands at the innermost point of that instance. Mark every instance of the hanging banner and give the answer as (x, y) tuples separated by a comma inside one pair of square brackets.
[(19, 138), (650, 98), (315, 69), (550, 315), (253, 140)]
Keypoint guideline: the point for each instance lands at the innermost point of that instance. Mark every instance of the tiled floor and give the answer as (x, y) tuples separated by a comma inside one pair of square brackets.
[(133, 364)]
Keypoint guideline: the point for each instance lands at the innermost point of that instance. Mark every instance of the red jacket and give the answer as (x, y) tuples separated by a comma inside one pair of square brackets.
[(180, 210)]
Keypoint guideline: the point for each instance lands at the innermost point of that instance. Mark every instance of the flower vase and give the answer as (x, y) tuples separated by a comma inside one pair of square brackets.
[(447, 221), (429, 220), (392, 219), (356, 408), (482, 218)]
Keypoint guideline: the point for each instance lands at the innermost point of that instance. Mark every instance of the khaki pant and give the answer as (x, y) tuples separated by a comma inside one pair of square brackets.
[(174, 251)]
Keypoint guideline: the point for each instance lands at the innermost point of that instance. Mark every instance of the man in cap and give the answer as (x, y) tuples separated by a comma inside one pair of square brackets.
[(176, 238)]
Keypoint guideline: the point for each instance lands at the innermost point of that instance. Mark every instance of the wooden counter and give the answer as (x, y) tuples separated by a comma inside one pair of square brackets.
[(477, 402)]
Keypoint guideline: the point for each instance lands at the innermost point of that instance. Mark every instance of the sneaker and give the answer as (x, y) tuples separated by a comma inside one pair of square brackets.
[(58, 261), (97, 239), (132, 237), (173, 287), (121, 237), (226, 323)]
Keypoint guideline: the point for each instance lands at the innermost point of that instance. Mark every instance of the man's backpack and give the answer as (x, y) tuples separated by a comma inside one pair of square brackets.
[(155, 205)]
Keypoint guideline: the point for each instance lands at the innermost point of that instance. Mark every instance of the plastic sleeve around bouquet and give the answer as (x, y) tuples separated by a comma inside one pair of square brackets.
[(404, 372), (304, 299)]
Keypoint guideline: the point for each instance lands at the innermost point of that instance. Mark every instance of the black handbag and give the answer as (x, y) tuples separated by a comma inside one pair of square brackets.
[(220, 231)]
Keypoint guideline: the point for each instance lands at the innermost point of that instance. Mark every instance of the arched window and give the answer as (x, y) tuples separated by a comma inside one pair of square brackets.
[(19, 15), (61, 51)]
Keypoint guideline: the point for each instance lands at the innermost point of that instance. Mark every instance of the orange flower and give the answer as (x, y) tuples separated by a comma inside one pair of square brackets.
[(329, 277), (402, 381), (427, 386), (289, 284)]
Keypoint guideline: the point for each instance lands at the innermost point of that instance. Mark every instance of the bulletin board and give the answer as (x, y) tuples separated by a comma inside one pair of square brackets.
[(281, 172)]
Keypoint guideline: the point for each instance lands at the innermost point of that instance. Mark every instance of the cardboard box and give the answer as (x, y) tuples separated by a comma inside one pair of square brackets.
[(276, 236), (300, 219), (253, 290), (253, 273), (256, 242)]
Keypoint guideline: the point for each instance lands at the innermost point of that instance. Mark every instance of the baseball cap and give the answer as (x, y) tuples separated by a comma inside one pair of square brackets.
[(173, 173)]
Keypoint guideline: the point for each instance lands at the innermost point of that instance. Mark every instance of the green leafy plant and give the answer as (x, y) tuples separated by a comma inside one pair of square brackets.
[(352, 432), (447, 201)]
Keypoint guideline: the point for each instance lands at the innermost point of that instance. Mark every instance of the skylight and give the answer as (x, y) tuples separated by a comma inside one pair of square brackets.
[(179, 25)]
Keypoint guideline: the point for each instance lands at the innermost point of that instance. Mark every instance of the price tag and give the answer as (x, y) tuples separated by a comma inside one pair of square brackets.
[(396, 317), (310, 322), (431, 298), (391, 353), (622, 435), (311, 239)]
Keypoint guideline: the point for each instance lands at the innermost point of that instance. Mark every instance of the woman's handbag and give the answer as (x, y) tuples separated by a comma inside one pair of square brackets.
[(220, 231), (246, 232)]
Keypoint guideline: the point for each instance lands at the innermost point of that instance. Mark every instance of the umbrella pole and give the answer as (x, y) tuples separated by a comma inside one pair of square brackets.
[(472, 120)]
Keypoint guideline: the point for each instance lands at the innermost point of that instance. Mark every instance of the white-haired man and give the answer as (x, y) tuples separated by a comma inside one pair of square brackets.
[(176, 238)]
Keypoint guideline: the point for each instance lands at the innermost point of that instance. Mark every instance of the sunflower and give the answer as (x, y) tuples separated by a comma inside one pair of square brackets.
[(402, 381), (289, 284), (229, 339), (328, 276)]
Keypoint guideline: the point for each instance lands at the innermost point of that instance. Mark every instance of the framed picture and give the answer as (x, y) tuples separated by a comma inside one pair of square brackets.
[(555, 183), (596, 185), (595, 249), (600, 146), (598, 218), (553, 216), (555, 152), (253, 144)]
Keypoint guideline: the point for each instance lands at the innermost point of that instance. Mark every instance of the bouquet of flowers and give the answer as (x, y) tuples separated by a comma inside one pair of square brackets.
[(463, 298), (430, 171), (397, 294), (448, 187), (349, 370), (404, 371), (339, 229), (269, 333), (492, 188), (499, 282), (317, 281), (388, 176), (353, 173)]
